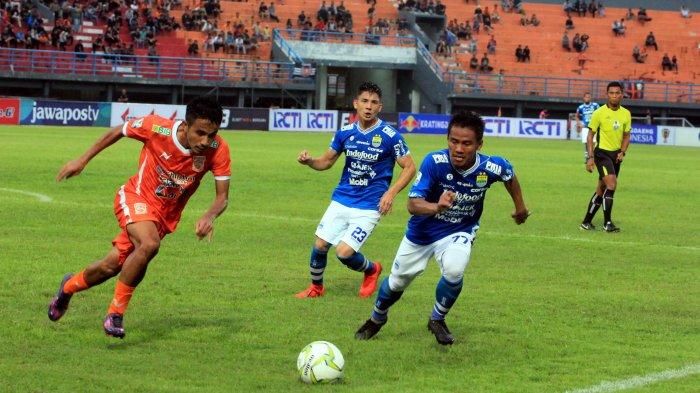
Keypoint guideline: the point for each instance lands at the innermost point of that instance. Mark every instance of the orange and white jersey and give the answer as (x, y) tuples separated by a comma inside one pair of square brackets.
[(168, 172)]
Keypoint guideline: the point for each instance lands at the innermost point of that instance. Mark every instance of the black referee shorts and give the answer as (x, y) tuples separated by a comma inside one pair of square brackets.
[(606, 162)]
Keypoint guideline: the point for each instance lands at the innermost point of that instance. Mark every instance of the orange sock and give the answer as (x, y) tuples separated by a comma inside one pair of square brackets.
[(75, 284), (122, 295)]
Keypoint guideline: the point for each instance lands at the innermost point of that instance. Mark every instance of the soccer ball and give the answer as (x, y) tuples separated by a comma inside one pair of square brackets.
[(320, 362)]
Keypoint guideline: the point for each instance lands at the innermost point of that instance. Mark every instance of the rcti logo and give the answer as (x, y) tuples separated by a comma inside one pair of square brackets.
[(410, 123)]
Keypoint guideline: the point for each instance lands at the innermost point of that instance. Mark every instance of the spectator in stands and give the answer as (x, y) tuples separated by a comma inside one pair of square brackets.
[(592, 8), (486, 20), (618, 27), (153, 55), (651, 41), (193, 48), (524, 21), (601, 9), (495, 16), (239, 44), (79, 50), (519, 54), (666, 63), (565, 41), (584, 42), (576, 42), (441, 47), (440, 8), (674, 63), (491, 45), (301, 19), (472, 46), (473, 62), (642, 16), (640, 56), (526, 54), (685, 11), (123, 97), (581, 8), (543, 114), (272, 12), (569, 24), (568, 7), (322, 12), (485, 65), (630, 14), (534, 21)]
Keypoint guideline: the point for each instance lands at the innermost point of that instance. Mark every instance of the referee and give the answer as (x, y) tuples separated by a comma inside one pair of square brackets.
[(610, 125)]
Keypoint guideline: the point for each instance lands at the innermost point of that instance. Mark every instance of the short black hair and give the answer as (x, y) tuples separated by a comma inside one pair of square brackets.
[(369, 87), (204, 107), (468, 119), (613, 84)]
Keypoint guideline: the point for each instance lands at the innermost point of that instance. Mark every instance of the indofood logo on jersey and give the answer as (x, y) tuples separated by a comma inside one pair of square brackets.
[(376, 141), (362, 155), (482, 179)]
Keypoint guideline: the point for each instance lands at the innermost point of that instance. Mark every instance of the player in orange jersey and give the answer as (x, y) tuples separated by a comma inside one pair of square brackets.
[(175, 157)]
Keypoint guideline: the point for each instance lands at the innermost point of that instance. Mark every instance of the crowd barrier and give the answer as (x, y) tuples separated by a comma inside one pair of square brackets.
[(25, 111)]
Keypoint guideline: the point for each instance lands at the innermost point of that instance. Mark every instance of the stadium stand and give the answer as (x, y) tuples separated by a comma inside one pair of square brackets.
[(608, 56)]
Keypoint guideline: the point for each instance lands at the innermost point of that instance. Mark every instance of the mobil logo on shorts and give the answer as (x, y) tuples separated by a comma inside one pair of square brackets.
[(540, 127), (287, 120)]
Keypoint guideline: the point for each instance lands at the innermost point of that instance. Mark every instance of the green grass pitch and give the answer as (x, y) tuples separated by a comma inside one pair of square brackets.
[(545, 306)]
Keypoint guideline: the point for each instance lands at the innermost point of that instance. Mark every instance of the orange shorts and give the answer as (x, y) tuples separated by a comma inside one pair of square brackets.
[(130, 208)]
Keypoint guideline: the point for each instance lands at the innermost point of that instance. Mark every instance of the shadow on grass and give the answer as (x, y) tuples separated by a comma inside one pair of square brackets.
[(149, 331)]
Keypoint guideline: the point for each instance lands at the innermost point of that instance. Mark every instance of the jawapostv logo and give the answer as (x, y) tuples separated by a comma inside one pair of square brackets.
[(410, 123)]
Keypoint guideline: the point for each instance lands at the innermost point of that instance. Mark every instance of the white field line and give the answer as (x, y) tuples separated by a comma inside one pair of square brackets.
[(40, 197), (643, 380), (315, 220)]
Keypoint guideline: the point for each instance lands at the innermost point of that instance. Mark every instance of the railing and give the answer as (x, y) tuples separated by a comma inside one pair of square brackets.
[(493, 83), (347, 38), (175, 68)]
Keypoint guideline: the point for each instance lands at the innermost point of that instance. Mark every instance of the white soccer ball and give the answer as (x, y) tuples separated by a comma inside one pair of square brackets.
[(320, 362)]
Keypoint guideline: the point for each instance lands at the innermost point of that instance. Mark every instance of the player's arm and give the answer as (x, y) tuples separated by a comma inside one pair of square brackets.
[(578, 119), (205, 225), (320, 163), (421, 207), (513, 187), (590, 162), (74, 167), (408, 170)]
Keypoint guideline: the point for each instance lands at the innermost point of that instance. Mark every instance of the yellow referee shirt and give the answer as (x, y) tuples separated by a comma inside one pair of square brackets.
[(608, 126)]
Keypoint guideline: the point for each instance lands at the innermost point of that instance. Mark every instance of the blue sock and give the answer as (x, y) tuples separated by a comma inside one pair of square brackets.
[(358, 263), (317, 265), (385, 299), (446, 295)]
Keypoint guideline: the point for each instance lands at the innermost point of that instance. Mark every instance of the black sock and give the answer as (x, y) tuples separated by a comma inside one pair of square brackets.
[(593, 206), (608, 204)]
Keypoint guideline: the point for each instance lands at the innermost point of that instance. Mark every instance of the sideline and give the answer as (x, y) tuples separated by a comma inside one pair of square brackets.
[(643, 380), (40, 197)]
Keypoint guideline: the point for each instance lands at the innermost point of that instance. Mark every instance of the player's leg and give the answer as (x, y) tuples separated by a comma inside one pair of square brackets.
[(584, 140), (145, 237), (452, 254), (328, 232), (593, 205), (360, 227), (94, 274), (411, 260), (610, 169)]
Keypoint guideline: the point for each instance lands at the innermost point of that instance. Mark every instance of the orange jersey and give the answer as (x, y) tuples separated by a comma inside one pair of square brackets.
[(168, 172)]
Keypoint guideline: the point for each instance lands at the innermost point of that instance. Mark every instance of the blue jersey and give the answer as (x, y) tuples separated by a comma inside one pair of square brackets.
[(437, 175), (585, 111), (369, 163)]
